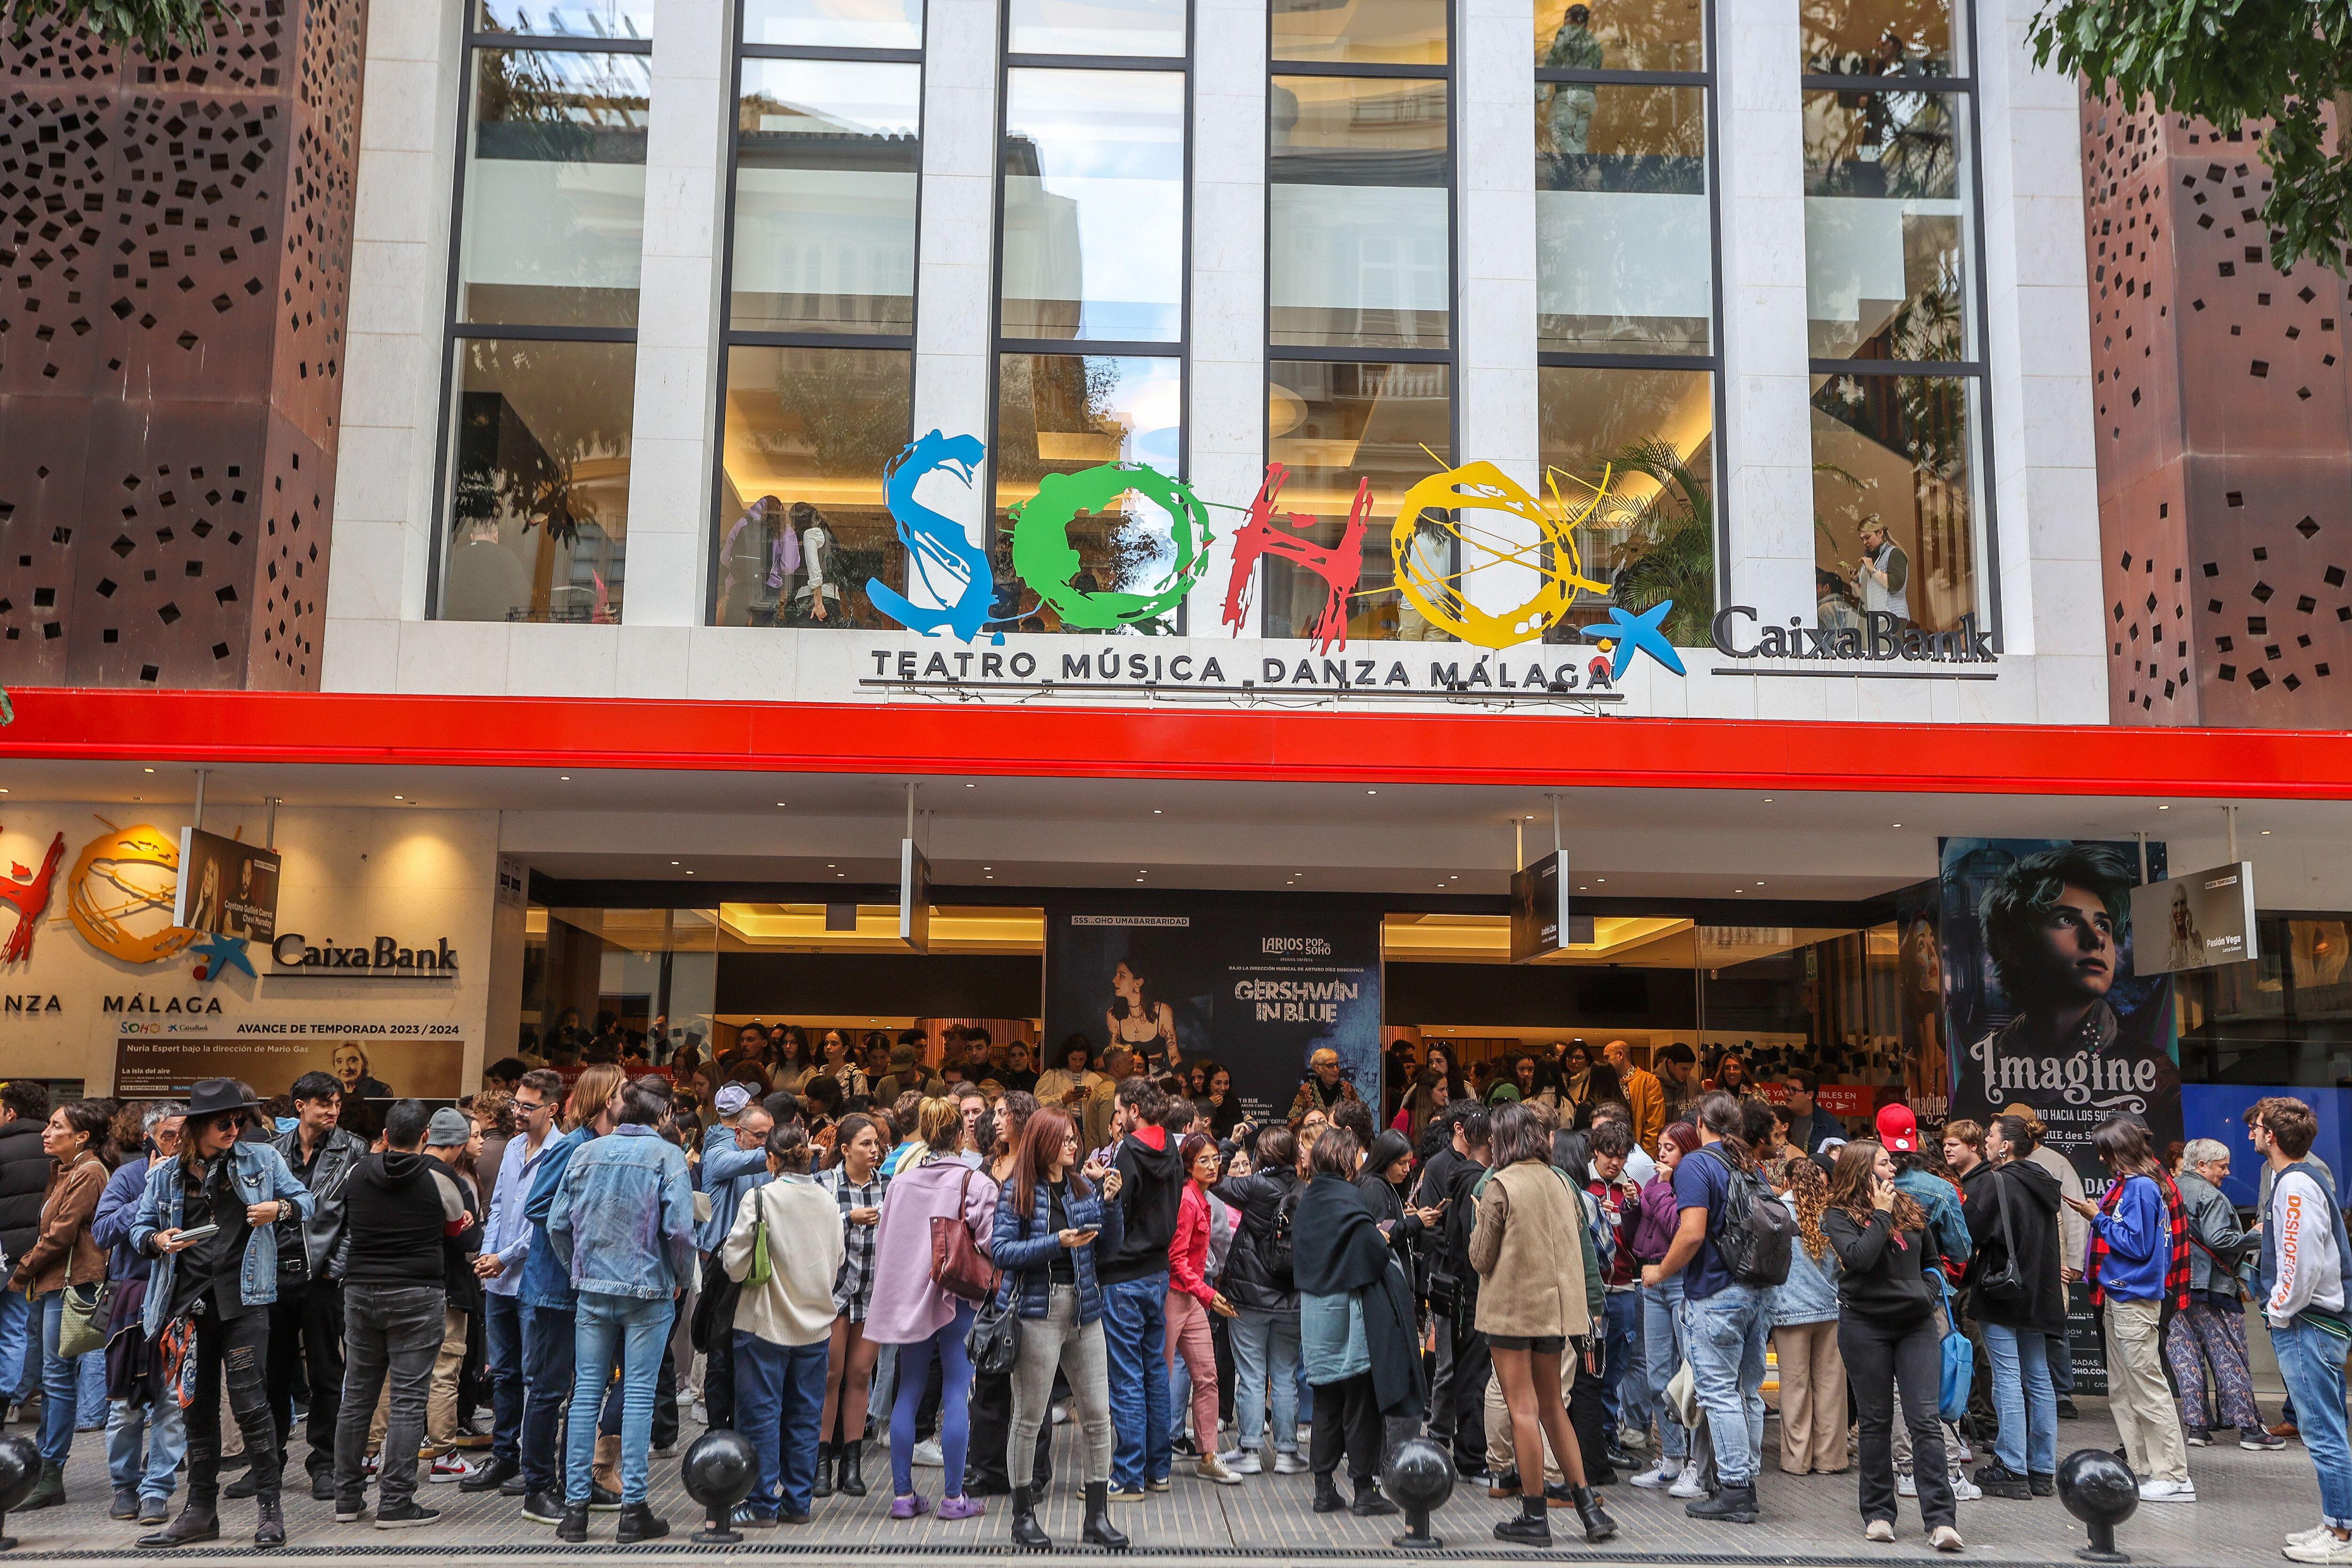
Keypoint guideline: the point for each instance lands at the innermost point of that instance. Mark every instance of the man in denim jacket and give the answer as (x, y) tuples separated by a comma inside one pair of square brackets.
[(549, 1302), (622, 1218)]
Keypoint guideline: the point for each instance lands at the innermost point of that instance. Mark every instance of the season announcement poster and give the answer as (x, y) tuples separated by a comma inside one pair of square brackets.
[(1258, 991)]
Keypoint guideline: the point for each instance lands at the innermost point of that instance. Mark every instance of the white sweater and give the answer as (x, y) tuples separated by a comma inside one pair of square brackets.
[(804, 1253), (2310, 1274)]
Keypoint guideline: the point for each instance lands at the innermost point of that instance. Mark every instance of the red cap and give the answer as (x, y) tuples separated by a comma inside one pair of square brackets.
[(1898, 1128)]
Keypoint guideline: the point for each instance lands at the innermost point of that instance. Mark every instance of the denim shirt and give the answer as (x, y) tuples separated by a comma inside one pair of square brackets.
[(260, 1176), (1025, 1250), (546, 1282), (623, 1216), (507, 1232), (1946, 1222), (728, 1172)]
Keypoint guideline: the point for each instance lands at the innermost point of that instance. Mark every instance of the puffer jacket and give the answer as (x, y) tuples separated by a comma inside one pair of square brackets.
[(1024, 1245), (25, 1168), (1256, 1199)]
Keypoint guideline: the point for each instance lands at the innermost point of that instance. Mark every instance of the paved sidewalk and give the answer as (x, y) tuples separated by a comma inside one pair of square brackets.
[(2250, 1502)]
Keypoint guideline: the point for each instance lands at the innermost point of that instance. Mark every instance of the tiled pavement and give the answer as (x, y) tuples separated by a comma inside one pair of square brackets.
[(2249, 1501)]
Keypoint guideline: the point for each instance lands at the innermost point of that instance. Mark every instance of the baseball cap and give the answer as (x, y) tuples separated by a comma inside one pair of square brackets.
[(1898, 1128), (447, 1130), (730, 1099)]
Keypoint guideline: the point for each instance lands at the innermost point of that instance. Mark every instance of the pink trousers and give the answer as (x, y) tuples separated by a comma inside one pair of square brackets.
[(1188, 1334)]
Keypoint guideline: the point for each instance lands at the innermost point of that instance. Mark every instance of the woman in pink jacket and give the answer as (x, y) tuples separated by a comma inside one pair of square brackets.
[(909, 1311), (1190, 1299)]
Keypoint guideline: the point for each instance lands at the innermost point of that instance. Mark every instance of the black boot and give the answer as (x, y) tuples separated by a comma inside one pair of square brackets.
[(193, 1524), (1327, 1494), (243, 1487), (1732, 1505), (1597, 1526), (1370, 1503), (639, 1523), (573, 1526), (270, 1529), (1532, 1528), (823, 1471), (1099, 1530), (1028, 1533), (851, 1481)]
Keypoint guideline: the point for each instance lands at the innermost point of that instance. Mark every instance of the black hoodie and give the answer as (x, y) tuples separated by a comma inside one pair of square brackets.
[(2032, 1229), (397, 1209), (1151, 1187)]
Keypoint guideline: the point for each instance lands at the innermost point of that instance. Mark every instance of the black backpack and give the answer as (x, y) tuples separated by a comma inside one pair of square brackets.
[(1275, 1254), (1756, 1231)]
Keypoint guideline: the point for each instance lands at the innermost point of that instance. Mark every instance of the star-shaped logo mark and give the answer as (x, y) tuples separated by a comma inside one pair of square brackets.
[(1643, 631), (215, 953)]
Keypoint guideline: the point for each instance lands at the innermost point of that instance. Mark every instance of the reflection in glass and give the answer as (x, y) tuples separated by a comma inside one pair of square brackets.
[(1094, 204), (555, 189), (539, 505), (568, 18), (1368, 32), (1648, 437), (1885, 260), (834, 24), (1895, 485), (825, 168), (1359, 219), (1056, 413), (801, 523), (1332, 425), (1623, 237), (1879, 37), (1154, 28), (1622, 35)]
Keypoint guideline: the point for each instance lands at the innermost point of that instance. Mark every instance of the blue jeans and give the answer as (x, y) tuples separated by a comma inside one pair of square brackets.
[(547, 1342), (60, 1383), (159, 1425), (1265, 1349), (955, 1405), (632, 1330), (1662, 1357), (2061, 1348), (20, 1348), (778, 1396), (90, 1395), (1724, 1337), (2311, 1363), (2028, 1404), (502, 1363), (1623, 1392), (1135, 1334)]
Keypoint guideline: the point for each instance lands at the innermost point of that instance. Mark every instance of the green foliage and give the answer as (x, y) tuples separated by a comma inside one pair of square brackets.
[(1672, 548), (156, 27), (2231, 61)]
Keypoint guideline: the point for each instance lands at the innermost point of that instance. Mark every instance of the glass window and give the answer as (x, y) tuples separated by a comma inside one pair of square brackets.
[(1636, 446), (1151, 28), (834, 24), (555, 189), (827, 164), (1332, 425), (1056, 413), (1362, 32), (1895, 498), (1623, 230), (539, 507), (1886, 255), (1880, 37), (1359, 217), (808, 433), (1637, 36), (1094, 205), (612, 19)]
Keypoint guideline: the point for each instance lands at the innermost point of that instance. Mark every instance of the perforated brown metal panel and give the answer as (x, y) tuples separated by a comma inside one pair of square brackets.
[(174, 278), (2224, 436)]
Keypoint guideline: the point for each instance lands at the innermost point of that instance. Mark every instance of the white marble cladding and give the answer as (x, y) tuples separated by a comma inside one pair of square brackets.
[(2036, 347)]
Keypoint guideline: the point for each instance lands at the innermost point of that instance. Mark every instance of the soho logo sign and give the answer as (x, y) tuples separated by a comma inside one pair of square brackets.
[(1300, 946)]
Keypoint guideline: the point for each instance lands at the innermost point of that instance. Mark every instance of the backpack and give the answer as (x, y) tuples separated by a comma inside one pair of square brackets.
[(1275, 1254), (1756, 1231)]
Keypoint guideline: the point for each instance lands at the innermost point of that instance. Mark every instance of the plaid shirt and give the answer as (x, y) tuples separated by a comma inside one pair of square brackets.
[(853, 1285), (2176, 1262)]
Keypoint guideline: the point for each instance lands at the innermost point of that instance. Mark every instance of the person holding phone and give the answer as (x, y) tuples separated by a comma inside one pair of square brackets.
[(1051, 1217)]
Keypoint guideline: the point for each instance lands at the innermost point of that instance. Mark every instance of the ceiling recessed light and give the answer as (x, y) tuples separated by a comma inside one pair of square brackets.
[(831, 864), (2266, 832), (146, 770), (689, 873), (673, 862), (1371, 791), (563, 778), (2159, 808), (405, 797), (779, 803), (841, 873), (1155, 811), (971, 786), (1898, 824)]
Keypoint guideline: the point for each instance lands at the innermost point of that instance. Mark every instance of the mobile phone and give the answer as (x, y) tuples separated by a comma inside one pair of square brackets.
[(199, 1233)]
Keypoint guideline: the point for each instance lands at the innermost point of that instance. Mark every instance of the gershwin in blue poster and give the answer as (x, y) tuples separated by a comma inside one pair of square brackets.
[(1257, 988)]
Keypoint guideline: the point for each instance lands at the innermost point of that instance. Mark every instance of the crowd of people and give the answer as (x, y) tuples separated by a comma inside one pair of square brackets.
[(1567, 1288)]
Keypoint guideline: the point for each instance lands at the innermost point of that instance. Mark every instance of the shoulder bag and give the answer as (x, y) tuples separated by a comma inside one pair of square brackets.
[(88, 1309), (2006, 1284), (1959, 1361), (958, 1266)]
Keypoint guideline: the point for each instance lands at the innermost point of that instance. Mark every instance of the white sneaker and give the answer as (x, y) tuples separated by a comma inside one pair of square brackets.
[(2168, 1491), (1905, 1486), (1687, 1484), (2302, 1537), (1633, 1442), (1879, 1529), (1246, 1463), (927, 1453), (1965, 1489), (450, 1468), (2327, 1549), (1663, 1473), (1212, 1468), (1289, 1465), (1061, 1411), (1943, 1538)]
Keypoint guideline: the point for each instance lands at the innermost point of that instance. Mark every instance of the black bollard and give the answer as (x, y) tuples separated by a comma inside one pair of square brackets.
[(20, 1472), (718, 1472), (2101, 1490), (1420, 1478)]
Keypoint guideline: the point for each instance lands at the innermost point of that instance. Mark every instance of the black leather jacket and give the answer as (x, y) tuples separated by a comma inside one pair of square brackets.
[(324, 1228)]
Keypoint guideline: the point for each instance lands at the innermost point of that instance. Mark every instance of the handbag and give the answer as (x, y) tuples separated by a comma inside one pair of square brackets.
[(958, 1266), (88, 1314), (760, 1271), (994, 1341), (2006, 1284), (1959, 1363)]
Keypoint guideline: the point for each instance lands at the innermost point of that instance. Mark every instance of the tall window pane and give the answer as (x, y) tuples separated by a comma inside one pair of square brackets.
[(540, 499), (555, 189), (1880, 39), (1359, 214), (806, 434), (1332, 425), (1153, 28), (1641, 36), (1094, 205), (1895, 495), (1364, 31), (1625, 230), (1056, 413), (567, 18), (834, 24), (1886, 246), (826, 164), (1636, 446)]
